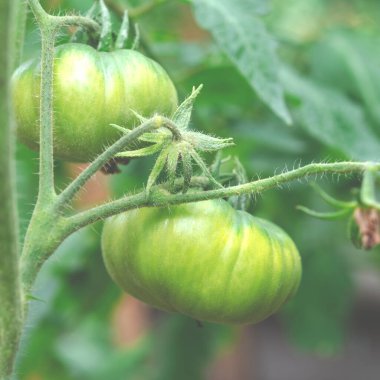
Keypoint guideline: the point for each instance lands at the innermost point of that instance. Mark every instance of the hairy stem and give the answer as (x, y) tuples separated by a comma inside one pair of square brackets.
[(46, 232), (46, 186), (44, 219), (49, 27), (10, 294), (157, 198), (18, 25)]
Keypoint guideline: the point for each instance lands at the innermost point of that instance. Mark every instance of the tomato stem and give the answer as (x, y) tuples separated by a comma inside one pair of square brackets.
[(158, 198), (11, 17), (49, 27)]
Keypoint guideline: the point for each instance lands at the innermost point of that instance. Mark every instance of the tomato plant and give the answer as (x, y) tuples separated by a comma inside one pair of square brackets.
[(179, 246), (205, 260), (92, 89)]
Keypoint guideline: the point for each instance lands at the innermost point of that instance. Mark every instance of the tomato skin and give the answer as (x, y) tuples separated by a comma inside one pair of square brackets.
[(91, 90), (204, 259)]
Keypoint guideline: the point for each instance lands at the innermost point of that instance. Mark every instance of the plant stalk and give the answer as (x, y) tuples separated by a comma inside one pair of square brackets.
[(10, 292), (161, 198)]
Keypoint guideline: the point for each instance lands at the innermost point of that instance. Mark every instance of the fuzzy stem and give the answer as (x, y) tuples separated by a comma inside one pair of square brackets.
[(10, 294), (49, 27), (157, 198), (18, 25), (46, 232), (46, 185)]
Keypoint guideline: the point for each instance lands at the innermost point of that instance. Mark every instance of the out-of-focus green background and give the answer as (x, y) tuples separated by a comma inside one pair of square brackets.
[(82, 327)]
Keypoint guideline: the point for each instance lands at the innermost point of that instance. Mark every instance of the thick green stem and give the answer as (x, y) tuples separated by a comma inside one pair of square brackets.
[(10, 294), (46, 229), (157, 198), (18, 25), (46, 232), (49, 27), (46, 186)]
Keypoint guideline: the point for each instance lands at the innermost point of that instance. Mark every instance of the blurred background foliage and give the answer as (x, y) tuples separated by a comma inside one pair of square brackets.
[(261, 63)]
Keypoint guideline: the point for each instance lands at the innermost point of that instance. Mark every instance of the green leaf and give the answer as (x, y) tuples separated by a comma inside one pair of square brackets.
[(353, 64), (244, 38), (331, 118)]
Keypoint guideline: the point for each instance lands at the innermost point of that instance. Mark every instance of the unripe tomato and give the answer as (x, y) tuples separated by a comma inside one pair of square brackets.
[(204, 259), (91, 90)]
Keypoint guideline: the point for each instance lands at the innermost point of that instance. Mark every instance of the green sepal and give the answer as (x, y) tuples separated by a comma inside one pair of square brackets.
[(155, 137), (172, 164), (182, 114), (121, 129), (139, 117), (368, 190), (136, 40), (105, 39), (158, 141), (216, 165), (325, 215), (157, 169), (199, 161), (331, 200), (187, 170), (122, 36), (143, 152), (207, 143)]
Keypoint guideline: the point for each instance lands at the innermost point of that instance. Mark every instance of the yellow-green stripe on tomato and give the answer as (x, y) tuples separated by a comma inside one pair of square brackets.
[(91, 90), (204, 259)]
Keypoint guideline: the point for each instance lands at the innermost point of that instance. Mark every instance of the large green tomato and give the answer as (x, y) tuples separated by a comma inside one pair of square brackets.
[(91, 90), (204, 259)]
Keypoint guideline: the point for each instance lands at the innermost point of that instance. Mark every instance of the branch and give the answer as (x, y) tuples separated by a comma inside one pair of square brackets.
[(10, 294), (161, 198)]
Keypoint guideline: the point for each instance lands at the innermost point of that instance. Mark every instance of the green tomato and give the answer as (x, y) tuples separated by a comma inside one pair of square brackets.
[(204, 259), (92, 89)]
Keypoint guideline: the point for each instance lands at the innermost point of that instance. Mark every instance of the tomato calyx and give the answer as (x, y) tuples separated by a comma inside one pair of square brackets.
[(106, 39), (177, 147), (363, 212)]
